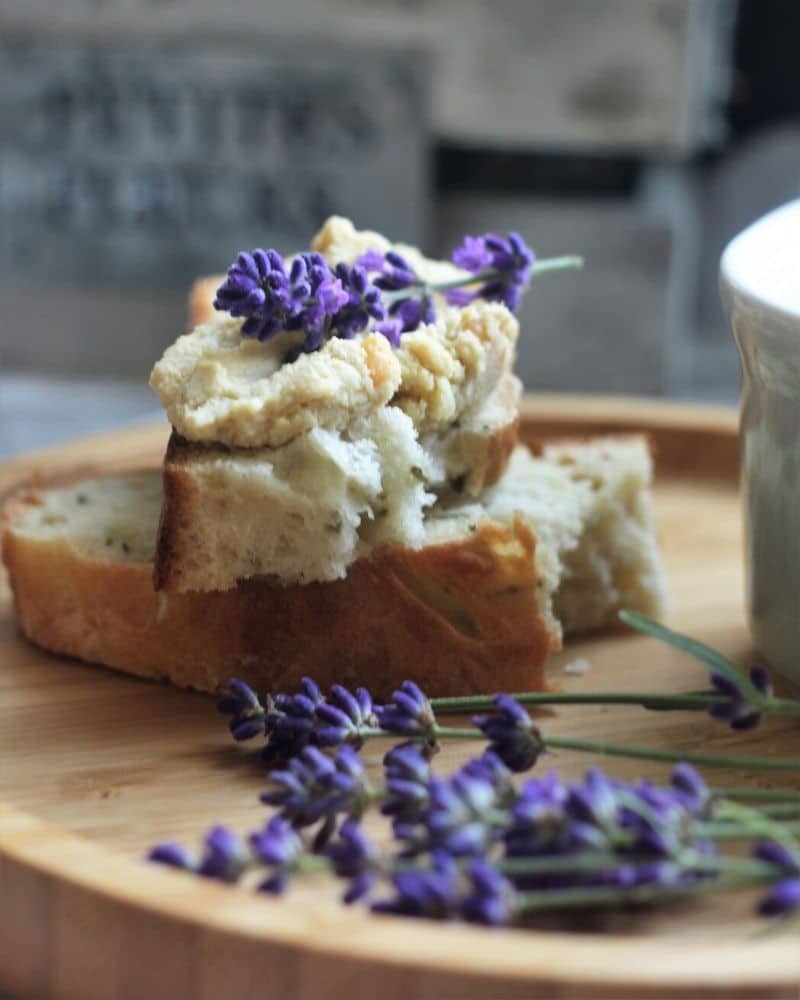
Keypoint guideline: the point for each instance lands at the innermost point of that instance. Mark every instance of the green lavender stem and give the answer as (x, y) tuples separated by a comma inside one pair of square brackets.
[(551, 899), (698, 650), (743, 762), (699, 701), (557, 864), (545, 266), (479, 703), (640, 753), (757, 794)]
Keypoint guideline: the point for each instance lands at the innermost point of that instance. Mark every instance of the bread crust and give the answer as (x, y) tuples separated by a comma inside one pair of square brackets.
[(456, 617)]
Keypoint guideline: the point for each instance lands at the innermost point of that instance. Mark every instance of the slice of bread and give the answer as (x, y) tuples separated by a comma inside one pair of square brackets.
[(473, 609), (306, 511)]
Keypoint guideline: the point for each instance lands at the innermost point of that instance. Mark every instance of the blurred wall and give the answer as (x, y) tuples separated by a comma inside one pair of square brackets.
[(143, 143)]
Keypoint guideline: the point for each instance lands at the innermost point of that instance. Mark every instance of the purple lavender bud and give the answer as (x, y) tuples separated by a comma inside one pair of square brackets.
[(408, 775), (409, 713), (491, 899), (316, 787), (473, 255), (248, 714), (510, 258), (225, 856), (776, 853), (414, 312), (392, 329), (735, 707), (692, 790), (511, 733), (433, 893), (594, 800), (371, 260), (460, 297), (761, 681), (174, 855), (343, 716), (782, 900), (363, 304), (396, 273), (356, 858), (280, 848), (257, 289), (455, 820), (291, 726), (538, 817)]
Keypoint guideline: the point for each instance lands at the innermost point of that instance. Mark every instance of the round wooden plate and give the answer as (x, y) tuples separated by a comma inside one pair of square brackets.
[(96, 766)]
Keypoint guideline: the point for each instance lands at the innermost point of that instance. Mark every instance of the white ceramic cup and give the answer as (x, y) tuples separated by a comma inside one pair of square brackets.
[(760, 285)]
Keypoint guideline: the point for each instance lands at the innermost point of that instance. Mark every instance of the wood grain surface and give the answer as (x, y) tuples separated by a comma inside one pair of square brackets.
[(96, 766)]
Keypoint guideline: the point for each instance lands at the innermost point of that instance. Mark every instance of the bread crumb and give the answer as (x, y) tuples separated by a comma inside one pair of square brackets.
[(578, 667)]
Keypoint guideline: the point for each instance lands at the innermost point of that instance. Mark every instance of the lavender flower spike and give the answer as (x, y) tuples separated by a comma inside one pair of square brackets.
[(356, 858), (734, 707), (259, 289), (511, 733), (317, 787), (225, 856), (279, 847), (505, 265)]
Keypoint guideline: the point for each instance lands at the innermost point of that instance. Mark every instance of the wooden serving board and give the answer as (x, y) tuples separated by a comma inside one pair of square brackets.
[(96, 766)]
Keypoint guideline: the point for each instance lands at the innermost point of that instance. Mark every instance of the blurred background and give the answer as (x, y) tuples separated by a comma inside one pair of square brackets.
[(143, 142)]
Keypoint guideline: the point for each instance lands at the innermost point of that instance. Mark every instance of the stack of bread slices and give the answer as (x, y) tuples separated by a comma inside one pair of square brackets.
[(360, 514)]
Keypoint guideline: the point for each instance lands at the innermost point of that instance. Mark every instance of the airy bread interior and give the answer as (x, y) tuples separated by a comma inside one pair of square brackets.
[(307, 510)]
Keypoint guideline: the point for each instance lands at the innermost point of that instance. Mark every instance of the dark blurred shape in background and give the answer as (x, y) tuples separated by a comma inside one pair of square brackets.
[(143, 143)]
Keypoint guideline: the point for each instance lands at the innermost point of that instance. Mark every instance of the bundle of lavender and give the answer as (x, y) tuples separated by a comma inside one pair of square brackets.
[(477, 845)]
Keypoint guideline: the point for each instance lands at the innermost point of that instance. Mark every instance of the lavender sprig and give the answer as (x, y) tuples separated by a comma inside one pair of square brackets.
[(317, 787), (324, 301), (225, 856), (596, 842), (304, 719)]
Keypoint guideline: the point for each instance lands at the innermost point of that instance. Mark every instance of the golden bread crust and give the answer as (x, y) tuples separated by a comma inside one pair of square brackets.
[(455, 617)]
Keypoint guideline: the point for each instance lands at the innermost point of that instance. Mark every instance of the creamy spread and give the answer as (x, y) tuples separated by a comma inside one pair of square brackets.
[(218, 386)]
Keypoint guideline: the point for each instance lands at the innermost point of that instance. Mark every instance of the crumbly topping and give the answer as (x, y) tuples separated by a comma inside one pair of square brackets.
[(219, 387), (452, 367)]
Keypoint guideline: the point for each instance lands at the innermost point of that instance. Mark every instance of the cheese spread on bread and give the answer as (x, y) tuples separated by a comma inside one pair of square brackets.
[(219, 387)]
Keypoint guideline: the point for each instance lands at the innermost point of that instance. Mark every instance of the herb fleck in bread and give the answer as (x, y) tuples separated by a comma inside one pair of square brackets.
[(475, 607)]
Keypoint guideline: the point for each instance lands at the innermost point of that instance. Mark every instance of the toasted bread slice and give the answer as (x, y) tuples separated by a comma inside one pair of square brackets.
[(473, 609), (458, 616)]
